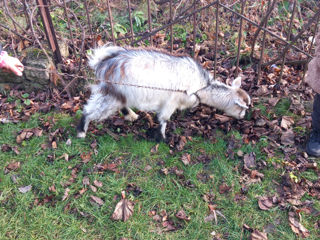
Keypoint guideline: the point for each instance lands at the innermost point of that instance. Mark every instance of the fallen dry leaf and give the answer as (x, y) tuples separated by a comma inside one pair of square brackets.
[(165, 171), (93, 188), (123, 210), (297, 227), (265, 203), (250, 160), (182, 143), (68, 142), (263, 90), (85, 181), (86, 157), (224, 188), (107, 166), (182, 215), (210, 218), (155, 148), (97, 183), (168, 226), (286, 122), (273, 101), (222, 118), (25, 189), (21, 137), (82, 191), (147, 168), (185, 158), (67, 105), (97, 200), (6, 148), (287, 137), (54, 145), (66, 194), (37, 132), (52, 188), (14, 178), (134, 189), (257, 235), (28, 133), (12, 167)]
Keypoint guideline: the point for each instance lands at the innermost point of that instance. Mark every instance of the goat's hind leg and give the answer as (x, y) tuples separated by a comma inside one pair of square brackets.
[(97, 109), (159, 134), (129, 115)]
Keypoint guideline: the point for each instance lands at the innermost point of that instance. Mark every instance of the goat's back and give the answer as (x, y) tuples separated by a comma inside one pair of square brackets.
[(145, 67)]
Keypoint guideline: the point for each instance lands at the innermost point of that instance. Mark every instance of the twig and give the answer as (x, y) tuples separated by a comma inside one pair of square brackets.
[(262, 23), (12, 18), (305, 27), (34, 34), (116, 137), (161, 2), (266, 30), (180, 18), (16, 33), (176, 8)]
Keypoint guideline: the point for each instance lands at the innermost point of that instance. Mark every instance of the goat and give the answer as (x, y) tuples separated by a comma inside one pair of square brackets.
[(120, 71)]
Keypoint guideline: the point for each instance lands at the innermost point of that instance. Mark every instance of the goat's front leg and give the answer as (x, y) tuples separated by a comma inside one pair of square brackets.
[(163, 117)]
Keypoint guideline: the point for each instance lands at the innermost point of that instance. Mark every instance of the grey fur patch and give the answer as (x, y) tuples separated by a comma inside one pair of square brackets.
[(204, 73), (219, 86), (109, 89)]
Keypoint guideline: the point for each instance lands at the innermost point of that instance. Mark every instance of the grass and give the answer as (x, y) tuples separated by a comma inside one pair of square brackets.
[(43, 214)]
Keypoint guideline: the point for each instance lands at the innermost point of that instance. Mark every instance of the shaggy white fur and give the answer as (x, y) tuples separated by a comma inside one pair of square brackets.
[(144, 67)]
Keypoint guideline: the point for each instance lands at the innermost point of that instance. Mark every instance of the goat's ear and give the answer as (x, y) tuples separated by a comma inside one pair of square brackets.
[(236, 83)]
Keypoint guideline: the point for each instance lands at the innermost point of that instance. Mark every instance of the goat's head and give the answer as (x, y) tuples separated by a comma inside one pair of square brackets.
[(239, 101)]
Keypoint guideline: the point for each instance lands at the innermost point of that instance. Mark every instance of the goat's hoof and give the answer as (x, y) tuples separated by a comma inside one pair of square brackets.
[(155, 134), (81, 134)]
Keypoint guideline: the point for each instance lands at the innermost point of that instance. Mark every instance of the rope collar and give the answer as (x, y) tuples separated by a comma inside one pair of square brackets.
[(196, 93)]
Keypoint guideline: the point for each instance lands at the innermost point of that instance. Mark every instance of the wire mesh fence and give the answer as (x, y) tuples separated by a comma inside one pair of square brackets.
[(221, 35)]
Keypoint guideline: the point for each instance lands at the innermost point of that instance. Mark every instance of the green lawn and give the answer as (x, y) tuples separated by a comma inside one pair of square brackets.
[(157, 182)]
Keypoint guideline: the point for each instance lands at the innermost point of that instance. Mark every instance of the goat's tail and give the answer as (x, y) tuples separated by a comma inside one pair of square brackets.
[(102, 53)]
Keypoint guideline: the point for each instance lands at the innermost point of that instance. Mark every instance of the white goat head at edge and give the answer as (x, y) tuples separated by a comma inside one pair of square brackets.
[(231, 99)]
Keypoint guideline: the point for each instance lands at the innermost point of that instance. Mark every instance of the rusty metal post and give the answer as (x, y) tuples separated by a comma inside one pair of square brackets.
[(111, 22), (49, 29), (130, 20), (149, 22), (243, 2), (216, 41)]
